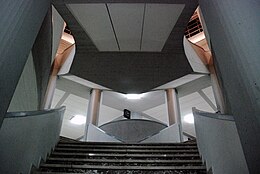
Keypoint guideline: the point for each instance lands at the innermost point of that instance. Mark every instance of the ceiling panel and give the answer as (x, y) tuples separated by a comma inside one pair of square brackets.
[(95, 20), (158, 24), (127, 20)]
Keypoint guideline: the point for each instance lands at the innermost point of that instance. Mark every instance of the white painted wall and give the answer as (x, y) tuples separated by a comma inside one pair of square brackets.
[(77, 103)]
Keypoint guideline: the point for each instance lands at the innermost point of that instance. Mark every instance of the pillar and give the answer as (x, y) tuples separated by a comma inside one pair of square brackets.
[(173, 108), (93, 109), (234, 29)]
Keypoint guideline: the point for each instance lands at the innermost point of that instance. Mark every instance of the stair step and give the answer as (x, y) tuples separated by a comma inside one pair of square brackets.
[(124, 146), (142, 151), (123, 172), (84, 155), (65, 166), (122, 161), (70, 157)]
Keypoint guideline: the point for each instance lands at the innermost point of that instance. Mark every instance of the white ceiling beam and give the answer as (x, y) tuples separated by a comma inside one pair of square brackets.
[(206, 98), (62, 100)]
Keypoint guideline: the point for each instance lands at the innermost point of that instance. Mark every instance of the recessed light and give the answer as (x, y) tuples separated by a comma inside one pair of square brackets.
[(189, 118), (134, 96), (78, 119)]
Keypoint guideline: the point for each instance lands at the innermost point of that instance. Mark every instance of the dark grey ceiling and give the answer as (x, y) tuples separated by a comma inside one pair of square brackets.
[(129, 72)]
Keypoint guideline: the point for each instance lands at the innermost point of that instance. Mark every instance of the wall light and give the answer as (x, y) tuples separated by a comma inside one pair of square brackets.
[(134, 96), (189, 118), (78, 119)]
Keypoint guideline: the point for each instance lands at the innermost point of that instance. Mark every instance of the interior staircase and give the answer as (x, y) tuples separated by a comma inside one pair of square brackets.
[(72, 156)]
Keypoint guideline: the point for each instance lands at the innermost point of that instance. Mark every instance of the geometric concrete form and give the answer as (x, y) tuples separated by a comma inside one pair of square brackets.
[(128, 70), (25, 97), (96, 134), (42, 56), (194, 58), (57, 27), (234, 29), (170, 134), (27, 138), (20, 22), (219, 143), (132, 130)]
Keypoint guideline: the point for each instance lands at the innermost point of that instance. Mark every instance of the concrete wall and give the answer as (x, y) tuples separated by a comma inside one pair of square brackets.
[(194, 58), (132, 131), (58, 26), (42, 52), (26, 138), (25, 97), (234, 30), (95, 134), (170, 134), (20, 22), (219, 143)]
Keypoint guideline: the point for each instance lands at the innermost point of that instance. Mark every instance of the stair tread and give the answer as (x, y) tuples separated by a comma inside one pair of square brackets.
[(125, 155), (128, 150), (123, 161), (85, 166), (97, 157), (126, 146)]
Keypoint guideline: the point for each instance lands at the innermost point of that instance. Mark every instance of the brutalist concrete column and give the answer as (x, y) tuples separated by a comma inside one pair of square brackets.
[(234, 29), (93, 109), (174, 109)]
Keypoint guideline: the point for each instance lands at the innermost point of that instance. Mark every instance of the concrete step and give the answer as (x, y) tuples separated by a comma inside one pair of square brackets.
[(117, 158), (123, 161), (98, 167), (126, 144), (141, 151), (109, 155), (62, 145), (79, 171)]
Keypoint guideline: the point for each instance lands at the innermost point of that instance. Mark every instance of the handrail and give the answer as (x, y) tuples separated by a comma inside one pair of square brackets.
[(32, 113), (213, 115)]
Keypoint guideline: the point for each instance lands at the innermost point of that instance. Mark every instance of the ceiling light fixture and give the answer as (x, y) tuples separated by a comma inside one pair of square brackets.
[(78, 119), (189, 118), (134, 96)]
